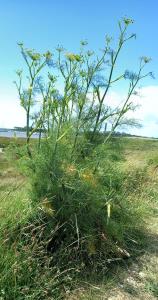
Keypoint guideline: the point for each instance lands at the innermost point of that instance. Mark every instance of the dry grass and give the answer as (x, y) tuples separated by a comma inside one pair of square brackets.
[(134, 280)]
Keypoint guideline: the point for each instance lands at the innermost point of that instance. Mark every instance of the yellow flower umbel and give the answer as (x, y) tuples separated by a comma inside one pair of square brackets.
[(73, 57), (71, 169), (89, 177)]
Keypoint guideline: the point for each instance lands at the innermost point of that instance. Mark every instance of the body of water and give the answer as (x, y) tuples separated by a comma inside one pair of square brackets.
[(18, 134)]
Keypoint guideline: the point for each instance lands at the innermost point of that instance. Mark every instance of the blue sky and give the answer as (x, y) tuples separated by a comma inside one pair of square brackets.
[(45, 24)]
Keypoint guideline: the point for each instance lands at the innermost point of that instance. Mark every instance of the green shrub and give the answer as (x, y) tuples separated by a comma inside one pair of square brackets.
[(85, 207), (91, 208)]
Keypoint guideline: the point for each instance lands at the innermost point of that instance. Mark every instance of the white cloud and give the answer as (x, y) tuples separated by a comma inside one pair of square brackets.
[(146, 112), (11, 113), (148, 100)]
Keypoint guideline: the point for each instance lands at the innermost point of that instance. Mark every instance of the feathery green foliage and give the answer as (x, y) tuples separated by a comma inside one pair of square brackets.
[(80, 208)]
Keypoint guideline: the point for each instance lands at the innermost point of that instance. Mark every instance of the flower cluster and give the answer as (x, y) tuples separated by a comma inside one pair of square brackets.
[(35, 56), (146, 59), (128, 21), (60, 48), (84, 43), (49, 61), (90, 53), (73, 57)]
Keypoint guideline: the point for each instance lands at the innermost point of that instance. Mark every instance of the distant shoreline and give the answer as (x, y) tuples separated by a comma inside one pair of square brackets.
[(20, 132), (14, 133)]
